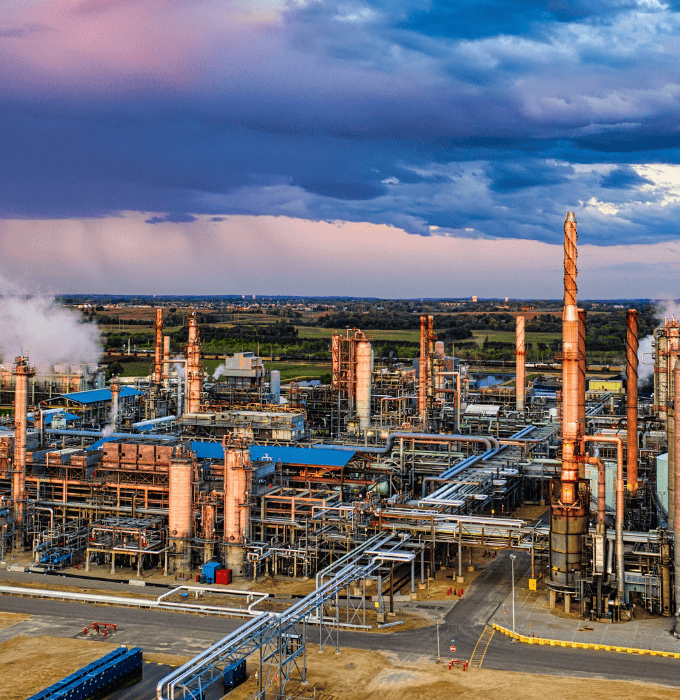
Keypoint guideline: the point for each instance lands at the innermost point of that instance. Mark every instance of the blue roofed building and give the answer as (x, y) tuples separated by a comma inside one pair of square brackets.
[(94, 407)]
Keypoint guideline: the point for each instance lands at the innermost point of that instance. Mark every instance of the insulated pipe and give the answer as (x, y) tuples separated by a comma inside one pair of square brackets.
[(620, 572), (422, 371), (490, 442), (520, 362), (632, 399), (100, 434), (601, 487), (676, 522), (158, 357)]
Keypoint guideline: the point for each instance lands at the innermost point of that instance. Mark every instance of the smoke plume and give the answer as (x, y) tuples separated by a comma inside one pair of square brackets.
[(219, 371), (34, 324)]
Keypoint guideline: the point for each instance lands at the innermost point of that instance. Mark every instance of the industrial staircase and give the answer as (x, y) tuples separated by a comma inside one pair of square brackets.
[(482, 645)]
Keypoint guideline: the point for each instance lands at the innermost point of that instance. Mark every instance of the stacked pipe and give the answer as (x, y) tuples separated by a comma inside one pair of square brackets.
[(194, 374), (520, 360), (569, 514), (22, 371), (632, 399)]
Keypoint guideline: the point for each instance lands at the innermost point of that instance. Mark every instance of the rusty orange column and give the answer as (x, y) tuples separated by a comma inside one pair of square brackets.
[(632, 399), (581, 386), (22, 371), (422, 373), (158, 358), (194, 374), (520, 363)]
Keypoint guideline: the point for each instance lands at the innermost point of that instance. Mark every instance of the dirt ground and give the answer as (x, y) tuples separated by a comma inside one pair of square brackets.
[(365, 675), (9, 619), (30, 664)]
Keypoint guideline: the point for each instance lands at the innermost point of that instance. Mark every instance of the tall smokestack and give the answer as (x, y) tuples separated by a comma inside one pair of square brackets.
[(422, 371), (520, 362), (632, 399), (194, 374), (158, 359), (672, 329), (22, 371), (569, 500), (431, 337), (115, 394)]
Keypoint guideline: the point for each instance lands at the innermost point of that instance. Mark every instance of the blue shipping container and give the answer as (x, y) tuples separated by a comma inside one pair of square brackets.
[(209, 570)]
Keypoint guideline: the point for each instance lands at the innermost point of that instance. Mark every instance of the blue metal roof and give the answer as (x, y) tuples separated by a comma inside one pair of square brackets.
[(288, 455), (66, 416), (97, 395), (98, 445)]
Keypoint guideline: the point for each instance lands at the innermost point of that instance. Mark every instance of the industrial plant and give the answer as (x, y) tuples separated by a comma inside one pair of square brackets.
[(381, 477)]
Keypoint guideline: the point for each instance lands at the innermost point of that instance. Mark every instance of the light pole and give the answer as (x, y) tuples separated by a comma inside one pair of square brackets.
[(438, 657), (512, 564)]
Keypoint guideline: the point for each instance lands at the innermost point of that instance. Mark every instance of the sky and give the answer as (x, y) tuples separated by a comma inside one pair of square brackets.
[(366, 148)]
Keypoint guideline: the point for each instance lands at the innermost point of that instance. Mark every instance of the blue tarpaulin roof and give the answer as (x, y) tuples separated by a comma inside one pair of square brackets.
[(287, 455), (97, 395)]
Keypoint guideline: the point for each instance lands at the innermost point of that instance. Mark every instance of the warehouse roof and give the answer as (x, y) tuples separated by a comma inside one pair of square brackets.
[(287, 455), (97, 395)]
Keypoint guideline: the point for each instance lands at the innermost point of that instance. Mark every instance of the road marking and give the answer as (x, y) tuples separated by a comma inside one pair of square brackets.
[(479, 652)]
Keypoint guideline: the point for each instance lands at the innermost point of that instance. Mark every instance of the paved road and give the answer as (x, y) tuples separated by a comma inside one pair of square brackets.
[(175, 633)]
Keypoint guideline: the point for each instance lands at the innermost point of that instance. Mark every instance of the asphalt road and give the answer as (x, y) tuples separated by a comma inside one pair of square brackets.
[(174, 633)]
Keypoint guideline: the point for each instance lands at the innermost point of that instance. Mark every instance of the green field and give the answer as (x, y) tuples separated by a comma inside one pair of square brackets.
[(509, 337), (410, 336), (291, 372)]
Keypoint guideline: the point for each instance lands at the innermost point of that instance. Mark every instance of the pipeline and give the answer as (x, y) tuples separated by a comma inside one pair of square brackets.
[(100, 434), (620, 571), (490, 442)]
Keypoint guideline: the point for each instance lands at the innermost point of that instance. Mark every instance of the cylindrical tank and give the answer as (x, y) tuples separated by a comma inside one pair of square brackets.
[(632, 347), (275, 386), (363, 387), (180, 497), (236, 510), (439, 348), (158, 347)]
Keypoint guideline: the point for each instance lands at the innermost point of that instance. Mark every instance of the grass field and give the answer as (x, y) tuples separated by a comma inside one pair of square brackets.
[(411, 336), (509, 337), (291, 372)]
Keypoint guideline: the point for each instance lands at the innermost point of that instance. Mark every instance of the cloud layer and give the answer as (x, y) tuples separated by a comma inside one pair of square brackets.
[(477, 119)]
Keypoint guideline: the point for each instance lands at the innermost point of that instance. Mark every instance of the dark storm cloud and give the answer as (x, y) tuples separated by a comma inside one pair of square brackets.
[(623, 178), (486, 118)]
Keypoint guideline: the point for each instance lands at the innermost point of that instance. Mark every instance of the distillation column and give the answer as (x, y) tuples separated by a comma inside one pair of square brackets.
[(672, 334), (237, 478), (520, 363), (194, 374), (115, 394), (422, 372), (363, 383), (569, 494), (180, 511), (22, 371), (632, 399)]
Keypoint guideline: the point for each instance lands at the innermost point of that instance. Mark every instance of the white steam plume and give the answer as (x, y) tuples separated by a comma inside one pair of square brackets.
[(221, 369), (179, 368), (108, 430), (645, 361), (34, 324)]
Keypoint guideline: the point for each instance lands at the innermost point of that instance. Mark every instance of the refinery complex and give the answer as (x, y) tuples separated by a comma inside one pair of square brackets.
[(386, 474)]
